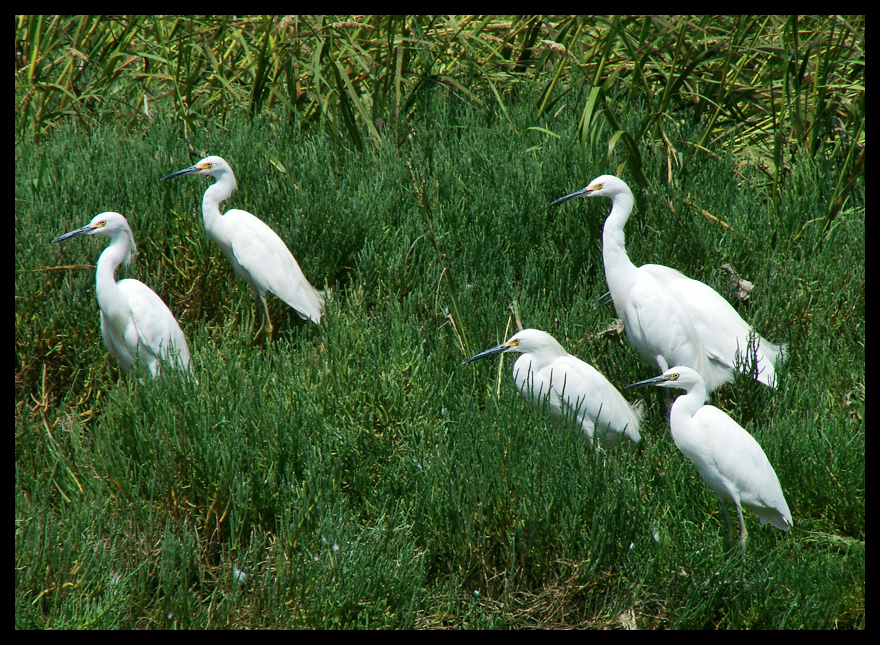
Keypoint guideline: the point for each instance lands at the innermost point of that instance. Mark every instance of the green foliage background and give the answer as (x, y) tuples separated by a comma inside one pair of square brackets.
[(355, 474)]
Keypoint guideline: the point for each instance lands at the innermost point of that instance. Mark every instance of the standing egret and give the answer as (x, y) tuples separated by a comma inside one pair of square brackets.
[(669, 318), (254, 250), (135, 322), (727, 457), (545, 371)]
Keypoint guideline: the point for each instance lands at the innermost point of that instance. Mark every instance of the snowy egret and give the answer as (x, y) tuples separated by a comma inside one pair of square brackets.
[(573, 389), (254, 250), (135, 322), (727, 457), (669, 318)]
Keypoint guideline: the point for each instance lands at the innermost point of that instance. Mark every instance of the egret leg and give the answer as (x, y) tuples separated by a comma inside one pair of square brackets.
[(728, 538), (743, 533), (266, 328), (667, 395)]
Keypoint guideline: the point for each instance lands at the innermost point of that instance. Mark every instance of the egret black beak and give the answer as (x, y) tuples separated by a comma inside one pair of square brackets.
[(657, 380), (583, 192), (82, 230), (498, 349), (186, 171)]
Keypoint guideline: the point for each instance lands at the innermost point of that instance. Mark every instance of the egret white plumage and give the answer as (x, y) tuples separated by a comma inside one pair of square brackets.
[(135, 322), (254, 250), (572, 388), (727, 457), (669, 318)]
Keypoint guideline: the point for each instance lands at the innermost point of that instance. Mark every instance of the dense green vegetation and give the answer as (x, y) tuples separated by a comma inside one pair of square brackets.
[(355, 474)]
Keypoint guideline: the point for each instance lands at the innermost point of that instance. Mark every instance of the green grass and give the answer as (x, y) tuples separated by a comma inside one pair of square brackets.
[(355, 472)]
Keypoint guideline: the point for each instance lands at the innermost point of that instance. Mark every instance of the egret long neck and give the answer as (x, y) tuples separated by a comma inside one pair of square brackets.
[(105, 276), (687, 405), (619, 270), (216, 193)]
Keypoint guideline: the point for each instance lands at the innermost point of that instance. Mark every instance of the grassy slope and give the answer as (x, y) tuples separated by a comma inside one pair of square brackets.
[(356, 472)]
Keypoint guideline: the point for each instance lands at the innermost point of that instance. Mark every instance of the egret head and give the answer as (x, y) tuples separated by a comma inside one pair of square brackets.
[(602, 186), (528, 341), (212, 166), (680, 378), (111, 224)]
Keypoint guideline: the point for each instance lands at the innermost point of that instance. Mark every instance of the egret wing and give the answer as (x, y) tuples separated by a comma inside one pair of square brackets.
[(659, 327), (722, 331), (270, 264), (729, 458), (158, 333), (590, 393)]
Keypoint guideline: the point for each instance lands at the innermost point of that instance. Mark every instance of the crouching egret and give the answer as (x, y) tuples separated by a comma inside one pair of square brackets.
[(573, 389), (254, 250), (135, 322), (727, 457), (669, 318)]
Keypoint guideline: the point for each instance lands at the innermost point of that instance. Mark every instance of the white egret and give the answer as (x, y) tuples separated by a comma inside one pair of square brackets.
[(669, 318), (254, 250), (572, 388), (135, 322), (727, 457)]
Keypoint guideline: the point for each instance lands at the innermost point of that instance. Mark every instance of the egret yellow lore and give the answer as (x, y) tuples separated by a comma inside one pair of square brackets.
[(669, 318), (572, 388), (254, 250), (727, 457), (135, 322)]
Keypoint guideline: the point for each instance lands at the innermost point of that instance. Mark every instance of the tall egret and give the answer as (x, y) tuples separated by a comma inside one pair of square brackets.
[(135, 322), (254, 250), (669, 318), (727, 457), (572, 388)]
